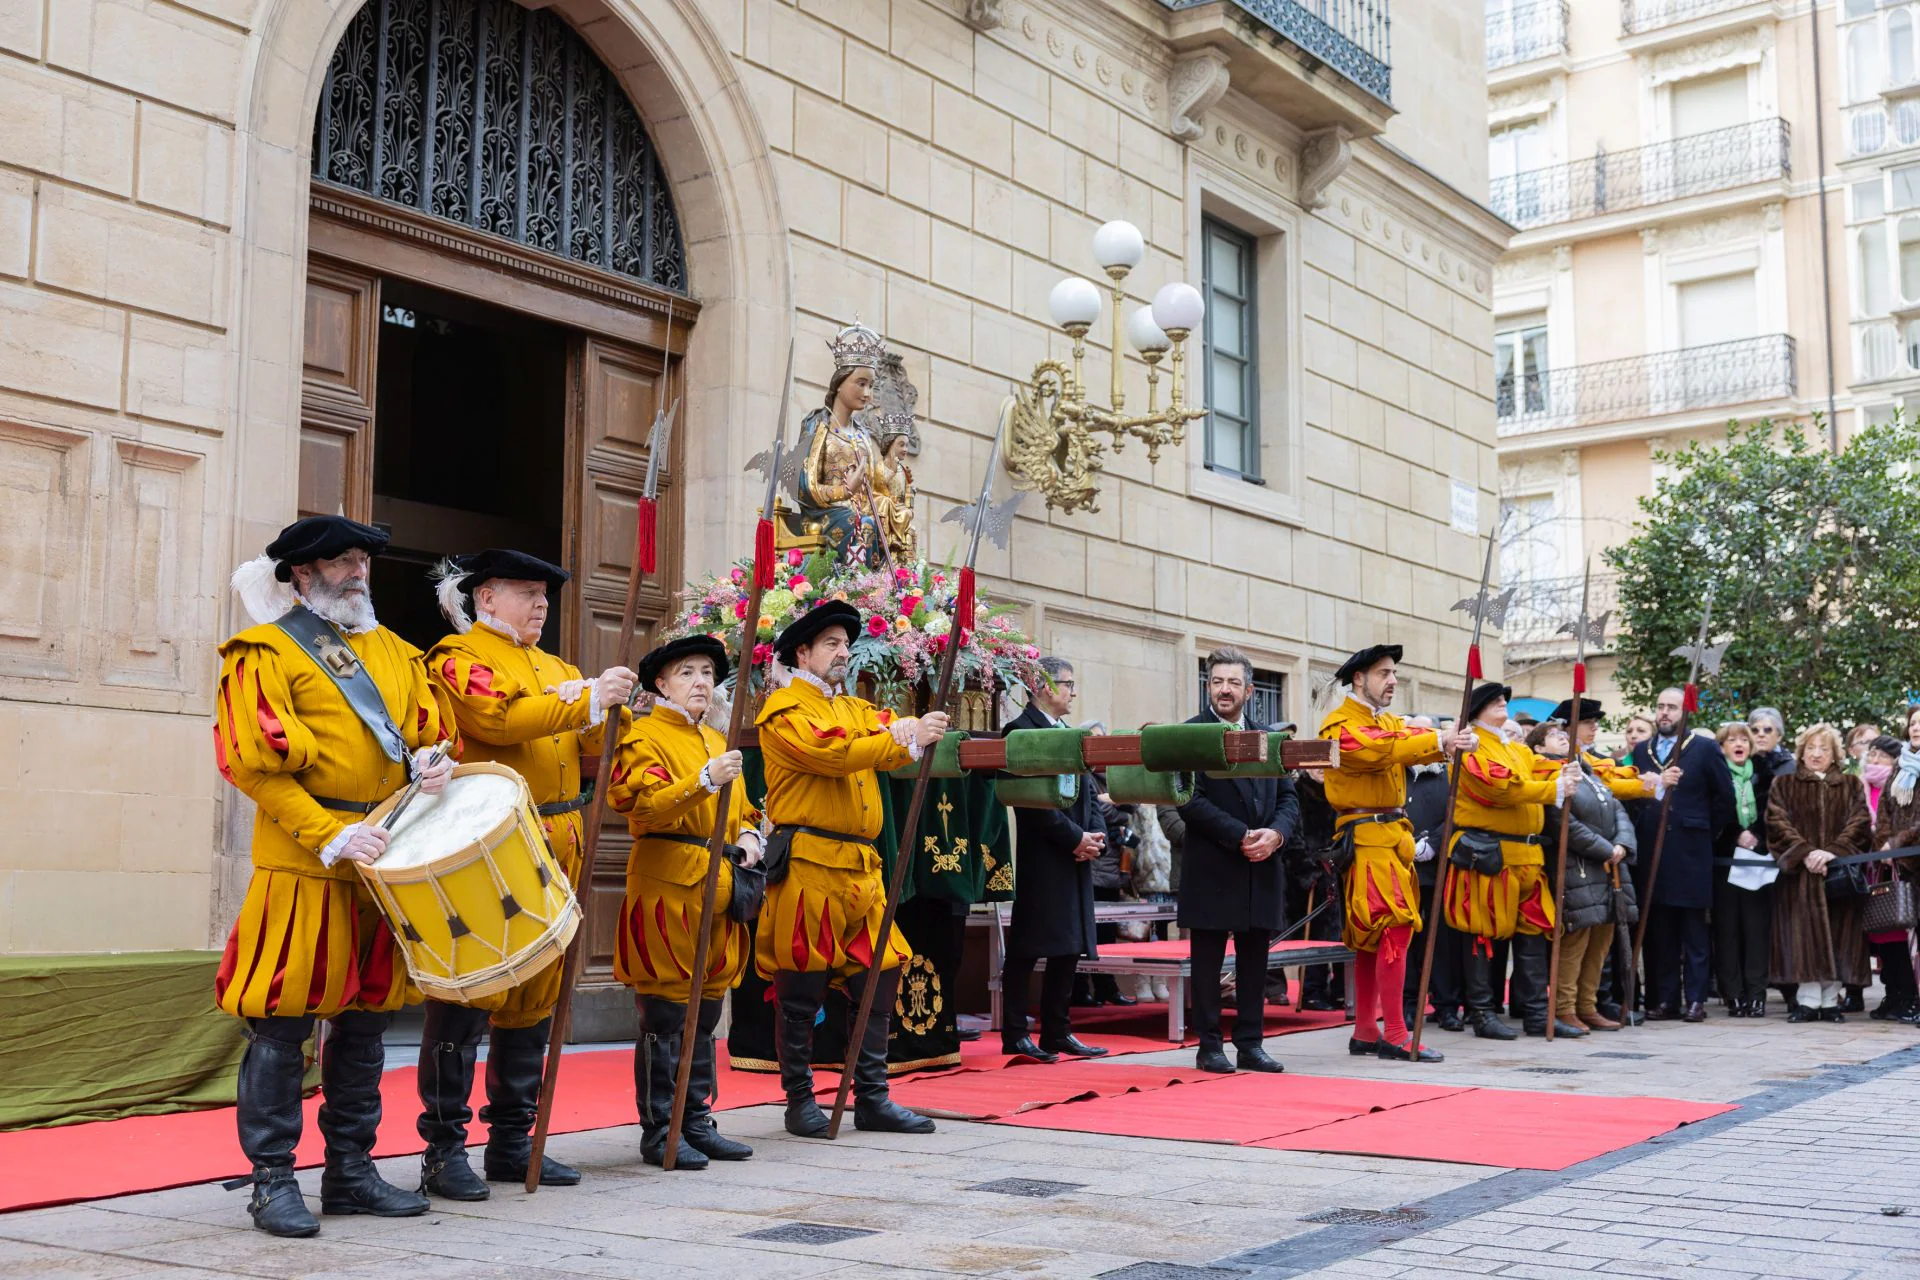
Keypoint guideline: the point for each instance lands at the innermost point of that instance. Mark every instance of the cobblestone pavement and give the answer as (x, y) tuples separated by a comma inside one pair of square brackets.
[(1792, 1184)]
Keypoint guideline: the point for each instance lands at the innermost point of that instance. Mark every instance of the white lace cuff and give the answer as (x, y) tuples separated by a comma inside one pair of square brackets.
[(913, 741), (706, 779), (337, 845)]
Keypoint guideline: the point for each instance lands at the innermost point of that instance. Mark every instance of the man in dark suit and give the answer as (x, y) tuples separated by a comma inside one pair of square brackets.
[(1231, 882), (1052, 893), (1677, 933)]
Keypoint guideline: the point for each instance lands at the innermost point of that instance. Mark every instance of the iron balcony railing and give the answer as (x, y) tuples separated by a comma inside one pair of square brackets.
[(1523, 32), (1612, 181), (1637, 16), (1723, 375), (1542, 606), (1353, 37)]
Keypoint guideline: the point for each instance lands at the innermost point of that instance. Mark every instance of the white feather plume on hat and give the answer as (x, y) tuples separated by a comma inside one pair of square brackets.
[(453, 601), (262, 595)]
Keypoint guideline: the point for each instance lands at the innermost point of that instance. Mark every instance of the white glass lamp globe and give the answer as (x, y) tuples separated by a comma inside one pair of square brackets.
[(1178, 308), (1118, 244), (1144, 334), (1074, 302)]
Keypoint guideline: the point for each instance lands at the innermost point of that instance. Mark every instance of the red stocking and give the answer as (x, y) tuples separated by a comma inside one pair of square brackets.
[(1366, 1023), (1392, 981)]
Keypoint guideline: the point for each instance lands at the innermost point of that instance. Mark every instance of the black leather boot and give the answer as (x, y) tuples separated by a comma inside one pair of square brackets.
[(656, 1063), (698, 1130), (873, 1108), (449, 1041), (268, 1116), (799, 996), (350, 1068), (516, 1058), (1482, 1015)]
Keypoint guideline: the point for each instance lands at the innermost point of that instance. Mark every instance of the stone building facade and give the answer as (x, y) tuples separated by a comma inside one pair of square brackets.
[(190, 324)]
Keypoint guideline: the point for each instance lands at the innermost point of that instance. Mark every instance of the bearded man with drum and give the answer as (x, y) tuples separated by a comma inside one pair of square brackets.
[(668, 778), (321, 714), (519, 706), (826, 897)]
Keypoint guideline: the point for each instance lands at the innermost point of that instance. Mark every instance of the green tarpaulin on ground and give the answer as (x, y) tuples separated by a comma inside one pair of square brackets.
[(101, 1037)]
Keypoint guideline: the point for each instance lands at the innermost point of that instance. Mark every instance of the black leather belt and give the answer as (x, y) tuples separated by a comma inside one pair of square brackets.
[(347, 806), (1510, 839), (822, 832), (1378, 815), (559, 807), (698, 842)]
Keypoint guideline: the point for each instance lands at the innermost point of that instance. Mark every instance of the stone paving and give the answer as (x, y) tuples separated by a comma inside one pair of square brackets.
[(1791, 1185)]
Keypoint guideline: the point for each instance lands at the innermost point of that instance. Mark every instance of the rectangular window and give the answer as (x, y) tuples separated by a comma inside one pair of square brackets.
[(1232, 372), (1706, 103), (1906, 186), (1717, 309), (1266, 704), (1520, 368), (1869, 199)]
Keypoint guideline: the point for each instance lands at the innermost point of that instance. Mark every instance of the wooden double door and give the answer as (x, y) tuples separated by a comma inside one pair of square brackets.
[(609, 390)]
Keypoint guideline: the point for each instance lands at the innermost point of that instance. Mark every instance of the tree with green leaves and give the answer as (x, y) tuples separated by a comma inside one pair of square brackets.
[(1815, 561)]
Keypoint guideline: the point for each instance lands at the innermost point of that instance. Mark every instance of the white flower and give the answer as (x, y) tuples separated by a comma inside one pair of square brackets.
[(938, 624)]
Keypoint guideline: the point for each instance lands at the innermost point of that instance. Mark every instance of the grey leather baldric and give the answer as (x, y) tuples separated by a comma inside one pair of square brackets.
[(319, 641)]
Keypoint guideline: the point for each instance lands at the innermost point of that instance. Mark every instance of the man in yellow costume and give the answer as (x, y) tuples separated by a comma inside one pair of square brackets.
[(1368, 794), (321, 714), (1497, 885), (667, 779), (1625, 781), (519, 706), (825, 894)]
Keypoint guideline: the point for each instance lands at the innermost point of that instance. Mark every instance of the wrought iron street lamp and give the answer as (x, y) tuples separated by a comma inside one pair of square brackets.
[(1053, 443)]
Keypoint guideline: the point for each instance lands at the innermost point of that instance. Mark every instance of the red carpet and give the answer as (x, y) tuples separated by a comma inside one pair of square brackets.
[(979, 1094), (1142, 1028), (1502, 1127), (1237, 1109)]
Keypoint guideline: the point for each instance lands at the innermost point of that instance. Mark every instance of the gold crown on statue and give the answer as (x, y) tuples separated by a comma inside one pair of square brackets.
[(857, 347)]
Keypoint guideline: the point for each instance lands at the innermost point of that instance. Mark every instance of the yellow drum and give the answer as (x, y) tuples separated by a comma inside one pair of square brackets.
[(472, 891)]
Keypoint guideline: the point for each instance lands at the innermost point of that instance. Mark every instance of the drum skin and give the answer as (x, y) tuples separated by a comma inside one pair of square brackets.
[(484, 917)]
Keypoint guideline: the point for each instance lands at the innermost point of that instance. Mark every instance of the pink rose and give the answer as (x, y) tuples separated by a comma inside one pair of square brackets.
[(939, 579), (739, 608), (876, 625), (1033, 654), (908, 604), (797, 581), (903, 576), (794, 558), (739, 576), (761, 654)]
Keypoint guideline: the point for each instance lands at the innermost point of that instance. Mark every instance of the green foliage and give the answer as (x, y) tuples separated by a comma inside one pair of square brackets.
[(1815, 562)]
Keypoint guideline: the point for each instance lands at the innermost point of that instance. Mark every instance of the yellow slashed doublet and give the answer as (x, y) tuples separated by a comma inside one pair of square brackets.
[(1376, 747), (498, 689), (309, 940), (821, 755), (1621, 779), (1504, 788), (656, 783)]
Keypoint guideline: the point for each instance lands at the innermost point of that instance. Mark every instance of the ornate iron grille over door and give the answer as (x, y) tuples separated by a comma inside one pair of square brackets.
[(502, 119)]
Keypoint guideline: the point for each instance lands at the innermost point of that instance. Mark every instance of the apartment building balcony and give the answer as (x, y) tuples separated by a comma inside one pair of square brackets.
[(1615, 190), (1887, 350), (1524, 33), (1542, 606), (1316, 63), (1884, 127), (1745, 375), (1654, 24)]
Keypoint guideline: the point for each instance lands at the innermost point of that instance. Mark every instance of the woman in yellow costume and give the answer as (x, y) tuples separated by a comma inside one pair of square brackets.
[(667, 779), (321, 713), (1497, 878), (519, 706)]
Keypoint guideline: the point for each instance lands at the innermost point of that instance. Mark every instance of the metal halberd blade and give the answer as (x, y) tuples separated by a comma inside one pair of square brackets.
[(1491, 610), (1704, 657), (657, 440), (1596, 637), (995, 519)]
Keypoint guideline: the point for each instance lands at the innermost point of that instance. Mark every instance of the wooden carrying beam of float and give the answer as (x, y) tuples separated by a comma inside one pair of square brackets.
[(1103, 751)]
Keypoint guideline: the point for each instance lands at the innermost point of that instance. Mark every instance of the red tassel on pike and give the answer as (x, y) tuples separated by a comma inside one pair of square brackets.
[(763, 554), (1692, 703), (647, 539), (1579, 678), (1474, 670), (963, 605)]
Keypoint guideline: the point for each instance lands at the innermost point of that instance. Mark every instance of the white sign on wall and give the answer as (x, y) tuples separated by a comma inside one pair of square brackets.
[(1466, 507)]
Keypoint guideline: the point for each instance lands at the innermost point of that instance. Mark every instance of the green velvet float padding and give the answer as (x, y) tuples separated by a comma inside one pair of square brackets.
[(946, 758), (1032, 752), (1056, 791), (1271, 767), (1183, 748), (1135, 784), (106, 1036)]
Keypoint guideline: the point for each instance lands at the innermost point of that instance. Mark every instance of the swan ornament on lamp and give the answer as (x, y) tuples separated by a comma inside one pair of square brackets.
[(1052, 440)]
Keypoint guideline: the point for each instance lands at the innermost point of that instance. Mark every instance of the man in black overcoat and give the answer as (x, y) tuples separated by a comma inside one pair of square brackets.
[(1232, 880), (1678, 938), (1053, 856)]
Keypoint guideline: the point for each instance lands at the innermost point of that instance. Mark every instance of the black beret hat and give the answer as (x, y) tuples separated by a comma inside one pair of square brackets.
[(804, 628), (515, 566), (1590, 711), (660, 658), (321, 538), (1365, 661), (1485, 693)]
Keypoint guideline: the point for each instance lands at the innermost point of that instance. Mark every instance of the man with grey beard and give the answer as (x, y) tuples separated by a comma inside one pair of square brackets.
[(321, 714)]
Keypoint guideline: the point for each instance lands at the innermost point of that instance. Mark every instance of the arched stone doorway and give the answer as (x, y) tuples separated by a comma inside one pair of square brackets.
[(317, 256)]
